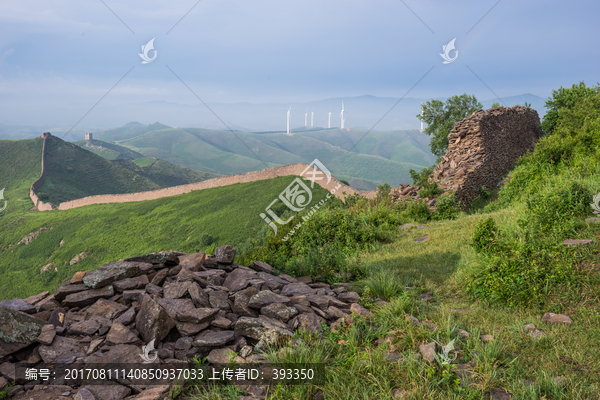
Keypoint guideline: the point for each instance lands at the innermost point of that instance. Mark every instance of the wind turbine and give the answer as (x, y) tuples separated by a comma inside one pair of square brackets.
[(421, 117), (342, 116), (305, 119), (312, 119), (329, 126), (288, 119)]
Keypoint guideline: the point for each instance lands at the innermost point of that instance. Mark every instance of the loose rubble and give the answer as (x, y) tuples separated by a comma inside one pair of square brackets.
[(190, 305)]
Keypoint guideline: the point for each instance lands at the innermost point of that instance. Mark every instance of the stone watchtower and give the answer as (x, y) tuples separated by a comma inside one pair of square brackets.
[(89, 136), (45, 135), (483, 147)]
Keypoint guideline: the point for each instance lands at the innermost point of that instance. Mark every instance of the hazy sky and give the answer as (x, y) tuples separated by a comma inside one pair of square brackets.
[(68, 54)]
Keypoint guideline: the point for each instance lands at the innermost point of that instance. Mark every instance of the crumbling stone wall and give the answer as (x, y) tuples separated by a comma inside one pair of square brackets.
[(37, 203), (483, 147), (286, 170)]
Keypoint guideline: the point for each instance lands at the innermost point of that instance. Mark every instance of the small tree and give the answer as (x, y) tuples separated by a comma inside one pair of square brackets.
[(440, 117), (495, 104), (565, 99)]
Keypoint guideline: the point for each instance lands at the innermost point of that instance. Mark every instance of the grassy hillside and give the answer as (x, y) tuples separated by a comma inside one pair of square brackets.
[(109, 151), (112, 231), (20, 166), (73, 173), (388, 155)]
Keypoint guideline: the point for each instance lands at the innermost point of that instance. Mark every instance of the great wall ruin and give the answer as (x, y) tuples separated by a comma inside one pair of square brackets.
[(482, 148), (286, 170)]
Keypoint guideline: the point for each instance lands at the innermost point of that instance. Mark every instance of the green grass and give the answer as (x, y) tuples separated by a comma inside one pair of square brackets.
[(400, 272), (112, 231), (144, 162), (20, 166)]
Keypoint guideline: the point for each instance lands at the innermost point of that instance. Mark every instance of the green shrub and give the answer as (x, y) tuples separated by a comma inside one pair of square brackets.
[(421, 178), (416, 210), (446, 207), (325, 238), (486, 237), (484, 193), (207, 239), (524, 267), (327, 263), (556, 211), (383, 191), (430, 190), (562, 100)]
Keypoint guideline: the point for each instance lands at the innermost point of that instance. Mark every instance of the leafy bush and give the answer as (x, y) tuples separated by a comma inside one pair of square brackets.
[(446, 207), (484, 193), (207, 239), (416, 210), (383, 191), (562, 100), (486, 236), (320, 244), (326, 263), (556, 212), (430, 190), (421, 178), (521, 268)]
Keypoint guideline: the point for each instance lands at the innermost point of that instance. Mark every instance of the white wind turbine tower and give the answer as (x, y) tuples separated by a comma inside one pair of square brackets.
[(329, 126), (288, 120), (305, 119), (312, 119), (421, 117), (342, 116)]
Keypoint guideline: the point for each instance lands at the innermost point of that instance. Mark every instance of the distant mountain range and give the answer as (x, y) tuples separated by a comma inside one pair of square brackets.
[(364, 159), (362, 112)]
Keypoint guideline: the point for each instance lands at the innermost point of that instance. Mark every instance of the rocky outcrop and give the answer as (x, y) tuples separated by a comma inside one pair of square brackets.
[(483, 147), (185, 305)]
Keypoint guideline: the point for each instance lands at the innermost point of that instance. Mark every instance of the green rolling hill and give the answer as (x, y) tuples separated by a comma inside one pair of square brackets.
[(108, 232), (20, 166), (130, 130), (73, 172), (379, 157)]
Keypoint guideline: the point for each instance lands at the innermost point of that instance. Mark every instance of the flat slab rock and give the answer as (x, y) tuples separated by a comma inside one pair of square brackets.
[(577, 242), (109, 273), (552, 318)]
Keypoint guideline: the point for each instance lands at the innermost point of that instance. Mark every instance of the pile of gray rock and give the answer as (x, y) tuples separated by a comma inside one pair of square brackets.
[(190, 305), (405, 192)]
